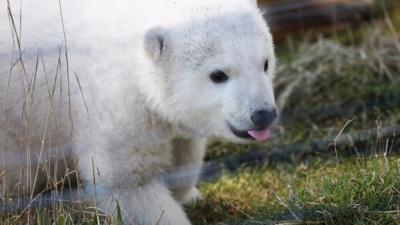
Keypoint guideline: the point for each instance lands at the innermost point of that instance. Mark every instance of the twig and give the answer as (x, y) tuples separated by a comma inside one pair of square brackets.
[(159, 217)]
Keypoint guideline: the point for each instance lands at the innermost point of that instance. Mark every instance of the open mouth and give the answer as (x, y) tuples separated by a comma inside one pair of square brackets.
[(258, 135)]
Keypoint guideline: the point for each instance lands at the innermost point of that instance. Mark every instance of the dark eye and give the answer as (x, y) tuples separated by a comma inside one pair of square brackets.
[(266, 65), (218, 77)]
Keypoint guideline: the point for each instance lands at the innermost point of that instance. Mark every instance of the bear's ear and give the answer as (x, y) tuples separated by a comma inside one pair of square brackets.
[(154, 42)]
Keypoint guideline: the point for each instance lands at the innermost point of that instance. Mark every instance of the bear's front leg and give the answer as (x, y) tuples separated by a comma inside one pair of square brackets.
[(188, 157), (145, 205), (130, 178)]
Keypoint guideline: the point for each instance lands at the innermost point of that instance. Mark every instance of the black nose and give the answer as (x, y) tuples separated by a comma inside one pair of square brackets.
[(263, 118)]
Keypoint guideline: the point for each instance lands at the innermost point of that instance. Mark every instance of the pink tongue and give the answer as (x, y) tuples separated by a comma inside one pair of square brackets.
[(260, 135)]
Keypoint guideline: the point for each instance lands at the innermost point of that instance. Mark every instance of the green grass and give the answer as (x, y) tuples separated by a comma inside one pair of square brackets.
[(357, 191)]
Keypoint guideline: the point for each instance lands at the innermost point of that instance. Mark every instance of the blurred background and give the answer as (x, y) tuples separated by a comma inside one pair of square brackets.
[(289, 17)]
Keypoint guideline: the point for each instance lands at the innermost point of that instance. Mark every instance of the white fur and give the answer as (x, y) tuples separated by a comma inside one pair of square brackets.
[(144, 103)]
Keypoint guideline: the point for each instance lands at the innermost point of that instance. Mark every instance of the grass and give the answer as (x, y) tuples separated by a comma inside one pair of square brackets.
[(357, 191)]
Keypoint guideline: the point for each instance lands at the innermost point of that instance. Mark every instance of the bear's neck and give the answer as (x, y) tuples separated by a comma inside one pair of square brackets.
[(151, 97)]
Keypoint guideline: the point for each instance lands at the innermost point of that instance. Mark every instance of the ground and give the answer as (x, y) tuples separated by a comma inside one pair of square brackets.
[(354, 185), (357, 191)]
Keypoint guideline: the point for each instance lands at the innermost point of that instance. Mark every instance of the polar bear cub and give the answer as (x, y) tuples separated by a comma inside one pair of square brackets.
[(133, 91)]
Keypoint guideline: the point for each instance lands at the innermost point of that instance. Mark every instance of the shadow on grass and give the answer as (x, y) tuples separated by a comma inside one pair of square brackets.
[(318, 214)]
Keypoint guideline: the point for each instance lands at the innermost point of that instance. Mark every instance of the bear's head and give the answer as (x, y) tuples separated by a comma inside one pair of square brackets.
[(215, 70)]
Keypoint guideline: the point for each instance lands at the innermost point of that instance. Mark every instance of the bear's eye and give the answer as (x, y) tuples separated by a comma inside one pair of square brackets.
[(266, 65), (218, 77)]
